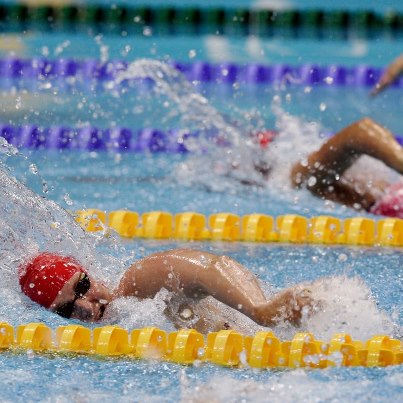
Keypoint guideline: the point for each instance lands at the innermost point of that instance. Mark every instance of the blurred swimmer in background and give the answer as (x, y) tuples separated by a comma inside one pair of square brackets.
[(325, 172)]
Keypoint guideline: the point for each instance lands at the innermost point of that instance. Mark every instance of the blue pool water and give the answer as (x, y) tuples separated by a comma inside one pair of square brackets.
[(141, 182)]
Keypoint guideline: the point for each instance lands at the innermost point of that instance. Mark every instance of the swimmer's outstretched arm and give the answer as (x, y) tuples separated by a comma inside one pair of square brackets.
[(327, 165), (392, 72), (199, 274)]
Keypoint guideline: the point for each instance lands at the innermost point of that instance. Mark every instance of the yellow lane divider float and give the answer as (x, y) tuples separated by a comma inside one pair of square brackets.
[(252, 228), (187, 346)]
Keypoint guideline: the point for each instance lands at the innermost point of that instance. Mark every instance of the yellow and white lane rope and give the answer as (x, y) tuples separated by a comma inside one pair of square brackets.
[(187, 346), (290, 228)]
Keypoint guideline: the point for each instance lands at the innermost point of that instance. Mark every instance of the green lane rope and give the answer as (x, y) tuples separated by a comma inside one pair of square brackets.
[(194, 20)]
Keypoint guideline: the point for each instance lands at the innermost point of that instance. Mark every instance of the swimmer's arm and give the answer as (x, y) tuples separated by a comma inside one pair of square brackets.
[(199, 274), (348, 193), (323, 171), (392, 72), (192, 272), (174, 270)]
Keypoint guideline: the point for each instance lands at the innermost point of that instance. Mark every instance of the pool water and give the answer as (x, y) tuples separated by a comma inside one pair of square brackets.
[(366, 283), (65, 378), (86, 379)]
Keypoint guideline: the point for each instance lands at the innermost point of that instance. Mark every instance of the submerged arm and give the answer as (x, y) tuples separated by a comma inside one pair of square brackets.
[(198, 274)]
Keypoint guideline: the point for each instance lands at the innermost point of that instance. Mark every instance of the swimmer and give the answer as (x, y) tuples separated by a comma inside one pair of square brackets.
[(63, 286), (325, 172)]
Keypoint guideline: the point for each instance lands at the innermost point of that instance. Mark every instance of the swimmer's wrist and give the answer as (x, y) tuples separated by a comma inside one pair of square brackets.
[(267, 314)]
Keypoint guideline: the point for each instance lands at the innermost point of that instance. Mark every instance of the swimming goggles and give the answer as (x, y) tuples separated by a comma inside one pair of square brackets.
[(82, 287)]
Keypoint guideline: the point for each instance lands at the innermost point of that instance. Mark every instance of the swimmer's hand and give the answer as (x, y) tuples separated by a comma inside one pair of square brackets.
[(392, 72), (291, 305)]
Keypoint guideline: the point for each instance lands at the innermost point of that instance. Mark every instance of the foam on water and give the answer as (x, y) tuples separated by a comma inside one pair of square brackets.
[(289, 387), (348, 306)]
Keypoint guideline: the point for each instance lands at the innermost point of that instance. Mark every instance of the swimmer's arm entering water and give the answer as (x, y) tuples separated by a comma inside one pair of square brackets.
[(198, 274)]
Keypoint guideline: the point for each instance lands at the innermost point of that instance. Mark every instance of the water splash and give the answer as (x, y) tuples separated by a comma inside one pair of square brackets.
[(167, 81), (30, 223), (8, 150), (196, 115), (348, 306)]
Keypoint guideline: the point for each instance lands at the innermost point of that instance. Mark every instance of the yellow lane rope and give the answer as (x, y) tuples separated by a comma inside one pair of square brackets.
[(187, 346), (290, 228)]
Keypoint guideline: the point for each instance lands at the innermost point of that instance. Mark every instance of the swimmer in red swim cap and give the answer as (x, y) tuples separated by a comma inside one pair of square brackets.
[(62, 285)]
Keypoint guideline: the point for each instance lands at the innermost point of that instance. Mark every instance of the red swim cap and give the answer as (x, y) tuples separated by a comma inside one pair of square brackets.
[(266, 137), (44, 276), (391, 203)]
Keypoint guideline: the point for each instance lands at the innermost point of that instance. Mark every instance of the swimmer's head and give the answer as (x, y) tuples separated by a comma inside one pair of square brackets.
[(44, 276), (61, 284)]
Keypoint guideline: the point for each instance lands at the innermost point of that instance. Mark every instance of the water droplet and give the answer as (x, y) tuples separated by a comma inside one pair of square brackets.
[(33, 168), (186, 313), (45, 187), (242, 358), (312, 181), (147, 31), (304, 162), (67, 199), (30, 353), (45, 51)]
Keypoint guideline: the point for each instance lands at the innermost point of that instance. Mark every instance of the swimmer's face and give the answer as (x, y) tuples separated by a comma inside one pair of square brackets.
[(82, 298)]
